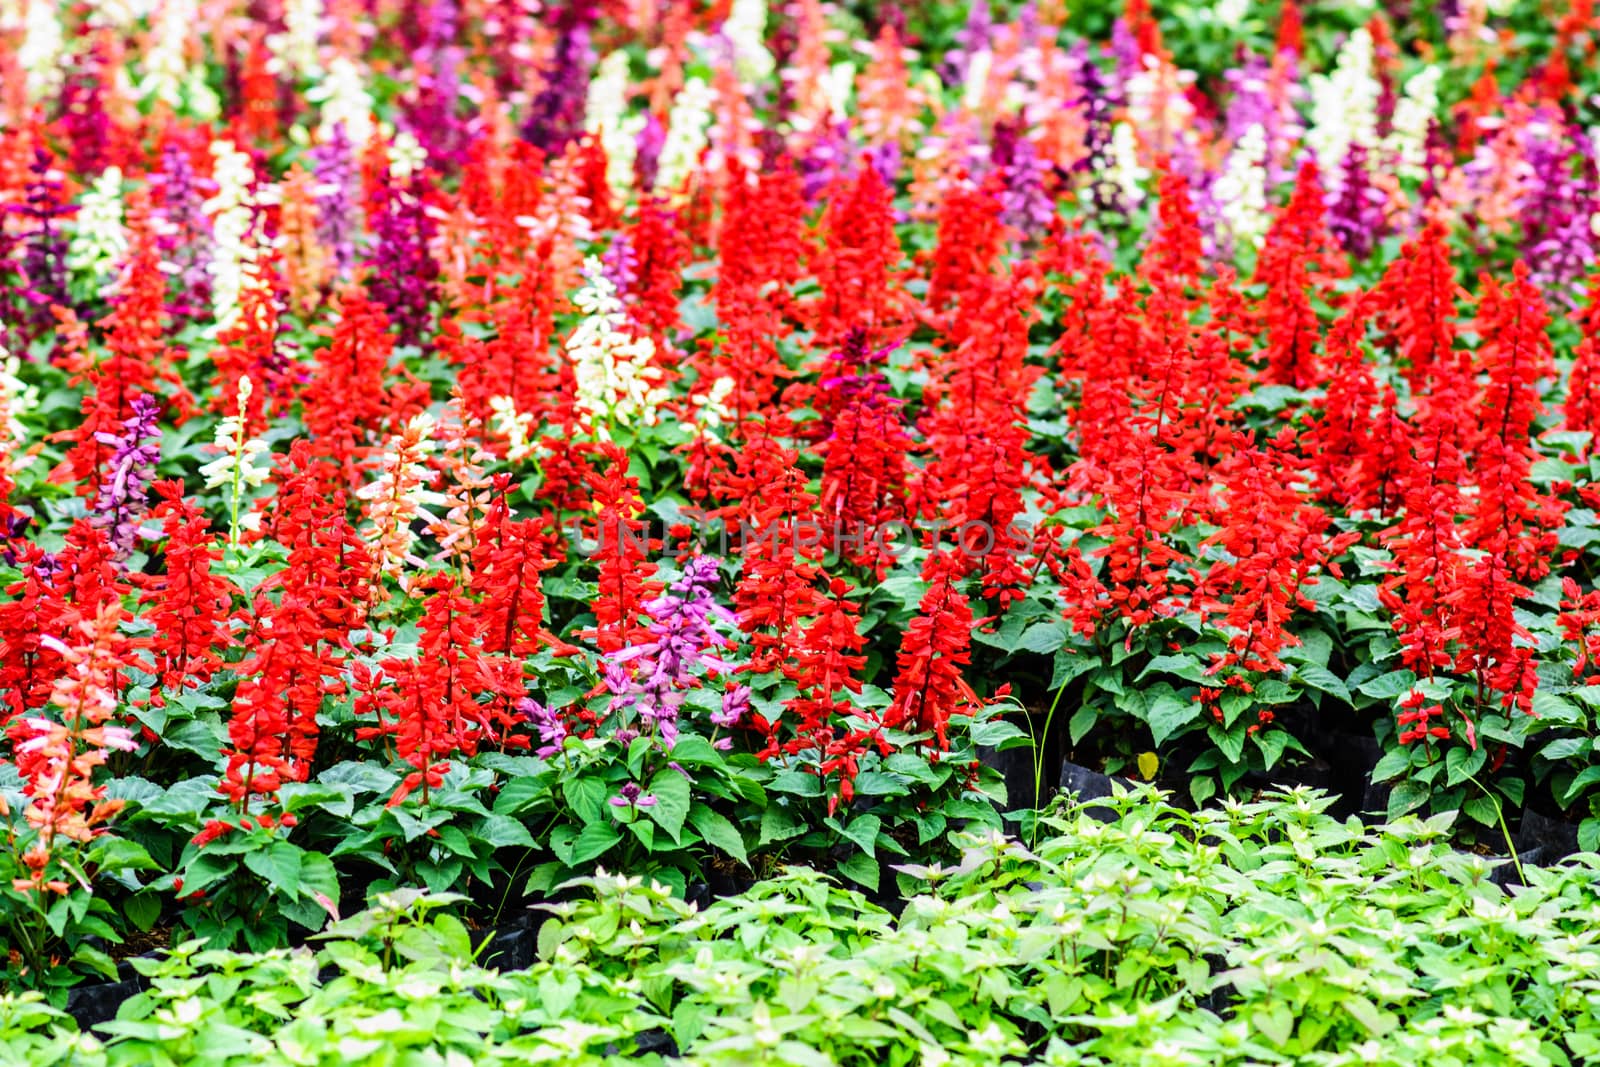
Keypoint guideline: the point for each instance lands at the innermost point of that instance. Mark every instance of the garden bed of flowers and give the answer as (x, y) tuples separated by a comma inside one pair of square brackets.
[(449, 450)]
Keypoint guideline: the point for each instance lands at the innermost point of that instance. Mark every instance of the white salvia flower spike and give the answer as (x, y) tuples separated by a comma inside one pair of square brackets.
[(686, 135), (240, 465), (1344, 105), (99, 242), (234, 229), (617, 381)]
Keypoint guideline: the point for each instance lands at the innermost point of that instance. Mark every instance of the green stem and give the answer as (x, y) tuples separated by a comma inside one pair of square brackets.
[(237, 488), (1038, 762), (511, 882), (1505, 831)]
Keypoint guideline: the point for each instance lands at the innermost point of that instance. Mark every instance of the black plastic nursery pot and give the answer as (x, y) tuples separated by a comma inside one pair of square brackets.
[(1086, 784), (1349, 758), (1506, 873), (92, 1005), (655, 1041), (1556, 838), (717, 885), (1016, 767), (511, 946)]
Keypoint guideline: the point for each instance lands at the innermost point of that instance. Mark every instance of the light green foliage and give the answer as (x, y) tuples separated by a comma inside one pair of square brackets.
[(1249, 933)]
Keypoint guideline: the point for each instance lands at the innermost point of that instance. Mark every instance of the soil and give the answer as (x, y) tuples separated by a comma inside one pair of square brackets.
[(140, 943)]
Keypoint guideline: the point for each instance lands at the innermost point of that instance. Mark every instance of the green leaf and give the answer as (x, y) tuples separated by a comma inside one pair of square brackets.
[(1108, 681), (864, 830), (97, 960), (1271, 743), (1042, 637), (416, 824), (298, 796), (1323, 680), (1566, 748), (1394, 763), (1580, 782), (1363, 1011), (719, 831), (279, 865), (796, 782), (1276, 1023), (1462, 763), (455, 841), (187, 798), (872, 696), (994, 733), (586, 795), (1388, 686), (203, 737), (113, 854), (520, 794), (133, 790), (1229, 742), (205, 869), (672, 793), (1407, 796), (1275, 691), (931, 827), (1513, 789), (1190, 668), (645, 831), (861, 869), (1315, 647), (1234, 705), (879, 784), (1069, 664), (362, 777), (592, 843), (1168, 714), (904, 589), (153, 716), (142, 909), (543, 880), (440, 877), (1006, 636), (319, 883), (637, 749), (916, 767), (1482, 810), (778, 823), (692, 750), (500, 831), (1553, 710)]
